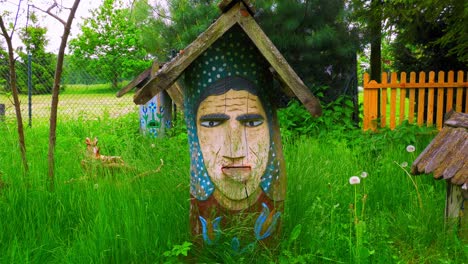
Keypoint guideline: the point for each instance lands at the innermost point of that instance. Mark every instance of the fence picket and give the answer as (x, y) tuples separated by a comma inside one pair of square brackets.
[(448, 105), (430, 101), (393, 101), (459, 98), (421, 95), (412, 98), (366, 121), (402, 97), (434, 98), (440, 101)]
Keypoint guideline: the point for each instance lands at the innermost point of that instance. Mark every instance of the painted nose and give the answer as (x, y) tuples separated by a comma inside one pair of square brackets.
[(235, 143)]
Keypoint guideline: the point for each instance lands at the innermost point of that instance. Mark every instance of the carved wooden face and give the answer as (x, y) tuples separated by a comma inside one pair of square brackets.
[(234, 140)]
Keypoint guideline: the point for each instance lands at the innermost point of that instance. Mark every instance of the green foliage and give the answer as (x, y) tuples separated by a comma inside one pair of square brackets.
[(422, 36), (42, 62), (177, 250), (337, 117), (316, 40), (109, 45), (426, 34), (171, 30), (4, 71)]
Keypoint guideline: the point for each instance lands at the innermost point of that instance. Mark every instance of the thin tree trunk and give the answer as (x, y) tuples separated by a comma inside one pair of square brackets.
[(55, 94), (376, 40), (376, 45), (14, 91)]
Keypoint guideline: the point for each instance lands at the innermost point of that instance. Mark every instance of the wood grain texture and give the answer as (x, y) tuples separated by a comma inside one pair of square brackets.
[(176, 94), (455, 119), (139, 80), (447, 154)]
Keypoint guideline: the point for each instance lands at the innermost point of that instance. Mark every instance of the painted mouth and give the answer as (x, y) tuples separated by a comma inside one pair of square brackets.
[(237, 173)]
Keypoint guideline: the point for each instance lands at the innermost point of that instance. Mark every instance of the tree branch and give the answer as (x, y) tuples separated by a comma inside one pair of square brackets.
[(16, 19), (50, 13)]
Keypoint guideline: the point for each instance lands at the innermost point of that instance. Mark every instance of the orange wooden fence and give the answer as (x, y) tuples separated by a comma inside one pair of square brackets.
[(398, 98)]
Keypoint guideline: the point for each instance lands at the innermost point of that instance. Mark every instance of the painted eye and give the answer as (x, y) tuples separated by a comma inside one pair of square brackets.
[(253, 123), (211, 123)]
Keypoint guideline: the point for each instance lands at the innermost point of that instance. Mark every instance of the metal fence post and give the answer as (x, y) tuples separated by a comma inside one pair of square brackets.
[(29, 89), (2, 112)]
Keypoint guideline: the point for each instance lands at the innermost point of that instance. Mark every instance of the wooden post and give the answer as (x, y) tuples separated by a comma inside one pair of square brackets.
[(456, 211)]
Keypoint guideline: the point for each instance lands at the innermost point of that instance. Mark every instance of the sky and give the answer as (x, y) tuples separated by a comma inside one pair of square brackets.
[(55, 28)]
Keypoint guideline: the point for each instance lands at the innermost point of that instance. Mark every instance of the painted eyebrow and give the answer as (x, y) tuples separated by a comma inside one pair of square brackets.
[(249, 117), (214, 117)]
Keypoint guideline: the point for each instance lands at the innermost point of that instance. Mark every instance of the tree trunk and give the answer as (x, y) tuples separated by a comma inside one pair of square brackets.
[(55, 95), (375, 25), (115, 81), (14, 91)]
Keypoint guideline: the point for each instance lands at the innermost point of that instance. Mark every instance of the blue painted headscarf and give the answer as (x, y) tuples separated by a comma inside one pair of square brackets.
[(230, 57)]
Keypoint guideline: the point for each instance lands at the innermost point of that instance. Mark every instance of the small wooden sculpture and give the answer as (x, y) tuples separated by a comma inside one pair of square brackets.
[(93, 154)]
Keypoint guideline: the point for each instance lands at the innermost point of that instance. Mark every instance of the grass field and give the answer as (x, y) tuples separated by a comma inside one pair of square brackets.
[(100, 216), (75, 101)]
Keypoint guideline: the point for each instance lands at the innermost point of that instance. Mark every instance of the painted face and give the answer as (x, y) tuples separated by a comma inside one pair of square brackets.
[(234, 140)]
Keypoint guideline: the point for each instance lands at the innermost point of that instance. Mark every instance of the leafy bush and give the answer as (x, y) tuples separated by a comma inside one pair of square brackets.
[(337, 116)]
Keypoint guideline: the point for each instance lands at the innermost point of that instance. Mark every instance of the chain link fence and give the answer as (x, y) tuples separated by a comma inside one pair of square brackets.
[(84, 93)]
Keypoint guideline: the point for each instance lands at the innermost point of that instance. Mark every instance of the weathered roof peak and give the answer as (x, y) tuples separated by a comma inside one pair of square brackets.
[(235, 12)]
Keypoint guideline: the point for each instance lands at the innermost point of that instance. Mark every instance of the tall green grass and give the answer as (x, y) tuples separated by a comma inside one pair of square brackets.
[(108, 217)]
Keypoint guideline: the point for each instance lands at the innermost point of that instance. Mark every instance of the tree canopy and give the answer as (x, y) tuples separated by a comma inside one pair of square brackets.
[(109, 44)]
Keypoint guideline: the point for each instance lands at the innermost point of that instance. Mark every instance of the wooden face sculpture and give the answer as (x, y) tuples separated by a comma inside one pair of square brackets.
[(237, 171), (234, 140)]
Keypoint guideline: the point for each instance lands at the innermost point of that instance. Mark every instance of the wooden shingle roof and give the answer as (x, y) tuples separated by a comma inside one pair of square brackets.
[(175, 91), (447, 155)]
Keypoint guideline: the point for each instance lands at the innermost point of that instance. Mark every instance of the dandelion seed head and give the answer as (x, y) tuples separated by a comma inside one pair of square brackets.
[(354, 180), (96, 186), (364, 174), (404, 164), (410, 148)]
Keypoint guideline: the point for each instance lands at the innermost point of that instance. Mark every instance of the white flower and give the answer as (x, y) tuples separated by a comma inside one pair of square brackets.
[(153, 145), (464, 186), (410, 148), (404, 164), (363, 174), (96, 186), (354, 180)]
